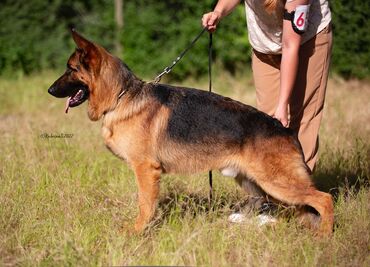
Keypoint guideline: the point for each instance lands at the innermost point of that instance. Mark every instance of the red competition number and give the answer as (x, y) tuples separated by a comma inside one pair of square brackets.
[(300, 20)]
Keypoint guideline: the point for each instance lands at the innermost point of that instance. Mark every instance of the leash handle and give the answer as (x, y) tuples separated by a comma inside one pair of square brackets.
[(169, 68)]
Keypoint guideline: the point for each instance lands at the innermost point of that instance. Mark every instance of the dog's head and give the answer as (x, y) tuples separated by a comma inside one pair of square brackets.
[(88, 77)]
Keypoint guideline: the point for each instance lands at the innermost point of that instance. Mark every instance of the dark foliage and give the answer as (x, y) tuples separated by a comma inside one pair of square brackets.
[(34, 35)]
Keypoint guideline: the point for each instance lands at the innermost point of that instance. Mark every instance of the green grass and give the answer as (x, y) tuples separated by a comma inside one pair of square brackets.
[(68, 201)]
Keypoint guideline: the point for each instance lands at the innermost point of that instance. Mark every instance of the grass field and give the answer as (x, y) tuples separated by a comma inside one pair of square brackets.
[(68, 201)]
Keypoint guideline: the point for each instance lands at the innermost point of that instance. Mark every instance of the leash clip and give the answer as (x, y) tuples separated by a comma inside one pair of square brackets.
[(167, 70), (159, 77)]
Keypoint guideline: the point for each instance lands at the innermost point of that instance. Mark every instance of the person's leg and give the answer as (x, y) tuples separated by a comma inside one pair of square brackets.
[(256, 196), (266, 76), (307, 100)]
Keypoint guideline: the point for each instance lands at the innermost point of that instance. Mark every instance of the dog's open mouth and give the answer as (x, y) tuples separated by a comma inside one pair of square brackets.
[(76, 99)]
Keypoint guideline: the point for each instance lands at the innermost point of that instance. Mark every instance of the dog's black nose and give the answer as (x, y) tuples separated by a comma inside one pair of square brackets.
[(50, 90), (54, 92)]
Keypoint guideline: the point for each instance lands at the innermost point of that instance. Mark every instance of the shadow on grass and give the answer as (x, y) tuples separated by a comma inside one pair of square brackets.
[(183, 203), (179, 204), (344, 169), (336, 180), (348, 170)]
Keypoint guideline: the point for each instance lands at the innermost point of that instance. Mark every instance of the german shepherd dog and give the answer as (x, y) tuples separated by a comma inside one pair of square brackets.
[(158, 128)]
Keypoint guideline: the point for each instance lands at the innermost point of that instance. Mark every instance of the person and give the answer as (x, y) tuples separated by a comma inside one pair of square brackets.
[(291, 50)]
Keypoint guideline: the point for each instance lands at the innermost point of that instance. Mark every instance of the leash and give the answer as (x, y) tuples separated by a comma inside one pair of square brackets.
[(169, 68), (210, 90)]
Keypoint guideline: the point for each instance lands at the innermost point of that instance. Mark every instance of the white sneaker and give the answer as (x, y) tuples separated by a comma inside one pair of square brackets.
[(262, 219), (237, 218), (265, 219)]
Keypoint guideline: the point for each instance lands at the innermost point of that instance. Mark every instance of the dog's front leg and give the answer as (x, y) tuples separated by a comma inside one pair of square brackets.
[(147, 177)]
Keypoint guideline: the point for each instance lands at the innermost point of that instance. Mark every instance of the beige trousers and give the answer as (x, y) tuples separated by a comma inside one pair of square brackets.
[(308, 95)]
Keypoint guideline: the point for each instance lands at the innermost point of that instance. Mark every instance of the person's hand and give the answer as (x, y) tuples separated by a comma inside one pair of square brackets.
[(210, 20), (282, 113)]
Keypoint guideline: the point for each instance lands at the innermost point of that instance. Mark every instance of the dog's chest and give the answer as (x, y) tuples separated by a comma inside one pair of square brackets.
[(118, 146)]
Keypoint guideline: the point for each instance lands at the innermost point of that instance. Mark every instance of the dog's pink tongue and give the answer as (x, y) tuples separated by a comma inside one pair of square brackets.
[(67, 105)]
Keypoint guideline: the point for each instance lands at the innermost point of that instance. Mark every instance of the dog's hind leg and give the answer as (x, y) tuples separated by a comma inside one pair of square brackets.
[(323, 203), (148, 178), (289, 181)]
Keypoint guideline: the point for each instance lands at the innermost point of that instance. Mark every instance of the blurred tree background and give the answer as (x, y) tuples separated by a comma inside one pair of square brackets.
[(34, 35)]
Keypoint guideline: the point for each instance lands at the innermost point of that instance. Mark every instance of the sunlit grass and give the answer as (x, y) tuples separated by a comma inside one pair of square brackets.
[(68, 201)]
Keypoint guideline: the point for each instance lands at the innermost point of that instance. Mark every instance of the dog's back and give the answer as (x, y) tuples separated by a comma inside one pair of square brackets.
[(200, 116)]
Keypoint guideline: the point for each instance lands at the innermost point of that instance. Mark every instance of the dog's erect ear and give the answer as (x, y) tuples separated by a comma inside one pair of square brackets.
[(90, 50), (81, 41)]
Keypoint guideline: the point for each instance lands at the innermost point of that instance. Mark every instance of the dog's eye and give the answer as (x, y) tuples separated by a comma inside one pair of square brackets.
[(70, 68)]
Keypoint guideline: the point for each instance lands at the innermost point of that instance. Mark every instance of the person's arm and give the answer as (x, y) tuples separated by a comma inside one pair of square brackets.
[(222, 9), (291, 42)]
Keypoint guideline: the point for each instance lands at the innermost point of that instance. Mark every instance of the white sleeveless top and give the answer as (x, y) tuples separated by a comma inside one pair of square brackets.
[(265, 30)]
